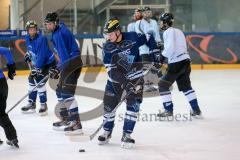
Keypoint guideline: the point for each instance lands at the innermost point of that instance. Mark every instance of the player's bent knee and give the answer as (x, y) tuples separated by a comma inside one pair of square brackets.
[(164, 85), (70, 103)]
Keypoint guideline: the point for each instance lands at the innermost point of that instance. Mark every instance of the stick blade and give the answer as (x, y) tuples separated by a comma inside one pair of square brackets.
[(80, 138)]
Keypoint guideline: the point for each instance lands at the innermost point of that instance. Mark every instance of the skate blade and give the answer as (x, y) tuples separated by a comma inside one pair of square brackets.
[(74, 133), (59, 128), (29, 112), (127, 145), (198, 117), (80, 138), (165, 116), (43, 114), (15, 146), (103, 142)]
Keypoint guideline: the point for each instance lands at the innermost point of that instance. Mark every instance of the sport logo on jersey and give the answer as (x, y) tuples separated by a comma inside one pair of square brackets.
[(122, 46), (126, 44), (125, 52)]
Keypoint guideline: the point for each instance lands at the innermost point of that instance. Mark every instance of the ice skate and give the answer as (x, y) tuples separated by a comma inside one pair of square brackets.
[(104, 138), (196, 113), (74, 128), (60, 125), (13, 143), (43, 111), (166, 113), (29, 108), (127, 141)]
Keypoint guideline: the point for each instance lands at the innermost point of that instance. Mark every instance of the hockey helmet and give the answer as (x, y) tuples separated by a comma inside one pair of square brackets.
[(31, 24), (52, 17), (139, 9), (111, 25), (167, 18), (146, 8)]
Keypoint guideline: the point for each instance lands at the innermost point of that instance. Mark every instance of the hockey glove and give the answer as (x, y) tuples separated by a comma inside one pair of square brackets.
[(11, 70), (27, 58), (36, 72), (134, 82), (133, 87), (160, 45), (156, 56), (54, 73)]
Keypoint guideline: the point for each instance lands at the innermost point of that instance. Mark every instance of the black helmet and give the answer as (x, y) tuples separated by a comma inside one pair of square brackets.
[(111, 25), (167, 18), (31, 24), (51, 17)]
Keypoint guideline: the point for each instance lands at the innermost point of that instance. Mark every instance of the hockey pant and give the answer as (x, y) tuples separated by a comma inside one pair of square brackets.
[(5, 122), (179, 72), (65, 91), (41, 89), (112, 97)]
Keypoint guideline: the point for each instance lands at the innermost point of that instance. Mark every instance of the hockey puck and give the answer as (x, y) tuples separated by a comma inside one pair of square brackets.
[(81, 150)]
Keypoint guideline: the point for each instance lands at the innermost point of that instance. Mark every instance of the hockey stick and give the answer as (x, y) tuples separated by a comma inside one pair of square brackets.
[(45, 78), (81, 138)]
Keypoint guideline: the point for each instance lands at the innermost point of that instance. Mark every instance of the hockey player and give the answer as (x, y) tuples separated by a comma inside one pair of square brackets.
[(69, 68), (5, 122), (144, 26), (136, 16), (175, 49), (122, 60), (41, 58)]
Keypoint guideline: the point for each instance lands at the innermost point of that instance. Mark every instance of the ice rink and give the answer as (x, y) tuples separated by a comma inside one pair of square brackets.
[(216, 137)]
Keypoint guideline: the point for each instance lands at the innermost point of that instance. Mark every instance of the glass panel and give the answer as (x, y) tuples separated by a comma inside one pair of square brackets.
[(182, 11), (128, 2), (125, 15), (153, 2), (207, 16)]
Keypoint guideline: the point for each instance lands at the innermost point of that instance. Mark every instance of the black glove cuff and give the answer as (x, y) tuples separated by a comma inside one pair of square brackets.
[(11, 66)]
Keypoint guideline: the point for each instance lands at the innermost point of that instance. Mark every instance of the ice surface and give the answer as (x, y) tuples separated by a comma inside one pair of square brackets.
[(216, 137)]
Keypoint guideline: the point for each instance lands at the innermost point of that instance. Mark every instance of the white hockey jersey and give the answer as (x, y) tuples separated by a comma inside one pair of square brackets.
[(175, 46), (131, 27), (143, 27)]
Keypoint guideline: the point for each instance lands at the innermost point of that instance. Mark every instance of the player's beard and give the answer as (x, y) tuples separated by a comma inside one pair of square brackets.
[(137, 17), (164, 27)]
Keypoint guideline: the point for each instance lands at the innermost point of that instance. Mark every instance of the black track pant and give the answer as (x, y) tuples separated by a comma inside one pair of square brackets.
[(5, 122)]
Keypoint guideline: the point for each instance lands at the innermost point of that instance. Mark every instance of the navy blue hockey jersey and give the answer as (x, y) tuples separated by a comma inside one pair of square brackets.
[(121, 58)]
